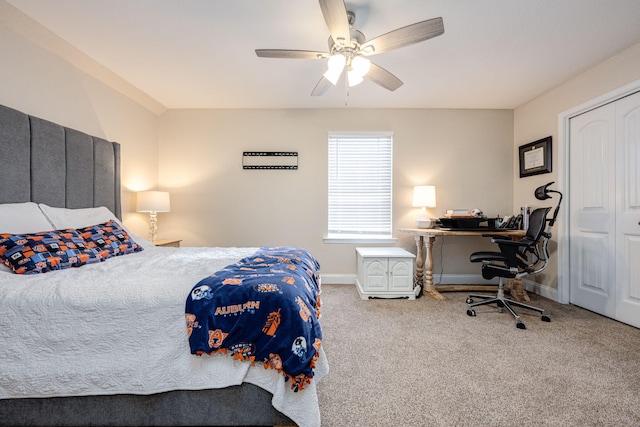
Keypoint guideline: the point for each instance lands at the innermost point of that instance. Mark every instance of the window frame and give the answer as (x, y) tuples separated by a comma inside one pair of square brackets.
[(360, 237)]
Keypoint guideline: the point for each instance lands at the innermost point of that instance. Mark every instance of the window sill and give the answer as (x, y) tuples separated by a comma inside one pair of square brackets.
[(347, 239)]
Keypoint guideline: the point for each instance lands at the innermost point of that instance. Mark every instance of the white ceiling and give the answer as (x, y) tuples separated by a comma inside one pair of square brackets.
[(200, 53)]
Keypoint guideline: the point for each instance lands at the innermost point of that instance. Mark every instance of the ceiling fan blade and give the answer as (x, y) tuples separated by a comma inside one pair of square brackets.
[(322, 86), (291, 54), (335, 15), (405, 36), (382, 77)]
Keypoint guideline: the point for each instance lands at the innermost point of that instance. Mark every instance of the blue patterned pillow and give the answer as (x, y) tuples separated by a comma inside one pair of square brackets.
[(45, 251), (107, 240)]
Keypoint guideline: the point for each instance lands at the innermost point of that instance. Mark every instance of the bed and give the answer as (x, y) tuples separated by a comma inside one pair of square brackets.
[(107, 343)]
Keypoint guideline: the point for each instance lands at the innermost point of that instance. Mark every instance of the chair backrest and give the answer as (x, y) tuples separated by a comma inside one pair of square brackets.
[(537, 221)]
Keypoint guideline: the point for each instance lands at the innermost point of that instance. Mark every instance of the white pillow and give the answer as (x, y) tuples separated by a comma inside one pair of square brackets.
[(63, 218), (22, 218)]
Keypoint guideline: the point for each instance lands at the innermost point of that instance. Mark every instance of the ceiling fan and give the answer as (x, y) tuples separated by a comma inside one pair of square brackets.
[(349, 49)]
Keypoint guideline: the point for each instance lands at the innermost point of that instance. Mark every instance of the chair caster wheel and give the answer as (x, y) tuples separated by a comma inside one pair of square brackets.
[(469, 300), (520, 325), (546, 318), (500, 304), (471, 313)]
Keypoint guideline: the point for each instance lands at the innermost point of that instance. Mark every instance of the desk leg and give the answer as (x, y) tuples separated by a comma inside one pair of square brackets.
[(429, 287), (419, 278)]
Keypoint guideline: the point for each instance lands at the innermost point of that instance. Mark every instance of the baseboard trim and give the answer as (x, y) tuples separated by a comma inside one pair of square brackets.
[(462, 279), (338, 279), (452, 279), (445, 279), (542, 290)]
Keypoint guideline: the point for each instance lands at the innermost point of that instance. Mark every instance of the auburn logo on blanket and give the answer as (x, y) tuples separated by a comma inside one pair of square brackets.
[(266, 287), (273, 321), (243, 351), (191, 323), (305, 313), (216, 338), (249, 306)]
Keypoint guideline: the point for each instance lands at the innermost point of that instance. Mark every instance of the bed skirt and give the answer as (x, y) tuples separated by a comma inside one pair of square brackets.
[(213, 407)]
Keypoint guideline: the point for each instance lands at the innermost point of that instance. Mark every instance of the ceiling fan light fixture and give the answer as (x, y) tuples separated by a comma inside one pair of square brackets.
[(360, 65), (368, 50), (354, 78), (332, 76), (335, 65), (336, 62)]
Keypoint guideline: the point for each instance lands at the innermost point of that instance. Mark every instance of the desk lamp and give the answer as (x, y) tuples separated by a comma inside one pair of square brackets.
[(153, 202), (424, 196)]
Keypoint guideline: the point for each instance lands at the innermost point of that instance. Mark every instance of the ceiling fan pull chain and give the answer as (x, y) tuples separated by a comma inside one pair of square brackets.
[(346, 92)]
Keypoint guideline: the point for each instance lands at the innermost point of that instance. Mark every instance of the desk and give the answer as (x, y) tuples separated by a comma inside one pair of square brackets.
[(425, 278)]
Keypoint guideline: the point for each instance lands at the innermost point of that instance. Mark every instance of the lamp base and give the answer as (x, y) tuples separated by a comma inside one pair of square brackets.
[(425, 223), (153, 225)]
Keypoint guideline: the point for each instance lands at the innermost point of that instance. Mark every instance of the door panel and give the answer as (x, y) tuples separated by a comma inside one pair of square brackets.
[(376, 274), (592, 210), (595, 271), (401, 274), (628, 206)]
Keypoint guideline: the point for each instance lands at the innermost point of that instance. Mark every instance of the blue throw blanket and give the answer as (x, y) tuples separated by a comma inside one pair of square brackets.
[(263, 308)]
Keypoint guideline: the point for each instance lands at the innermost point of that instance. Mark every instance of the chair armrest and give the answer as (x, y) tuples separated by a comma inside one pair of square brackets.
[(500, 237), (525, 242), (512, 248), (514, 243)]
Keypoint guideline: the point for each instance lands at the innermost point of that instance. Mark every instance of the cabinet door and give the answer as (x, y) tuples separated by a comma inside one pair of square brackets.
[(400, 274), (375, 274)]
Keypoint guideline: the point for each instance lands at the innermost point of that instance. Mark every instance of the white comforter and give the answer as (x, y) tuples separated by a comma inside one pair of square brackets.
[(118, 327)]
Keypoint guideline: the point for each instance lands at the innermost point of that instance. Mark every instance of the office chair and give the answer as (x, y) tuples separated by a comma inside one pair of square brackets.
[(517, 259)]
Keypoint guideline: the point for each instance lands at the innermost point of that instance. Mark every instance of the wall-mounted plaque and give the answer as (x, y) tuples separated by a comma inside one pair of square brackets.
[(535, 157)]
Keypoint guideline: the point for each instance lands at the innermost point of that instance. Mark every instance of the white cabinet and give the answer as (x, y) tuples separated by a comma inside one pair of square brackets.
[(385, 273)]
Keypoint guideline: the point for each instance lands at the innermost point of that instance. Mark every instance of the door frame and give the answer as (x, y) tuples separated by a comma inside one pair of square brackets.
[(564, 117)]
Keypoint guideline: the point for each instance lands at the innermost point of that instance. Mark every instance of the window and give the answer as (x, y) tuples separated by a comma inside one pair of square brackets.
[(360, 186)]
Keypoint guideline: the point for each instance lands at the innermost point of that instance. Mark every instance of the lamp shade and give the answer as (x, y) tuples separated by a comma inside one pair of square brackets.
[(354, 78), (360, 65), (153, 201), (424, 196), (335, 66)]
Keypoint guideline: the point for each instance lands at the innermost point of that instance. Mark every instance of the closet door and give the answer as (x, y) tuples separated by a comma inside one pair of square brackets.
[(592, 210), (628, 210)]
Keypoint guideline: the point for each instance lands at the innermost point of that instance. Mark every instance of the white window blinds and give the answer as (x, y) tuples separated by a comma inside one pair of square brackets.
[(360, 184)]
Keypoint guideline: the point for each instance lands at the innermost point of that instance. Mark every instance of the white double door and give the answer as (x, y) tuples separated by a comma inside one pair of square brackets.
[(604, 203)]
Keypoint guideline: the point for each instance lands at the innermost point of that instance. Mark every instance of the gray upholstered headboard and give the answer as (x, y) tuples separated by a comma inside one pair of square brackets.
[(47, 163)]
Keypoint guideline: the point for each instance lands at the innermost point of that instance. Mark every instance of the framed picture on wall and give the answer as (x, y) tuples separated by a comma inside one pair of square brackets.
[(535, 157)]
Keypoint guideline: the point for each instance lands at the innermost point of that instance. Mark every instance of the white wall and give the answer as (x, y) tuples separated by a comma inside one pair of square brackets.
[(466, 154), (37, 82), (539, 118)]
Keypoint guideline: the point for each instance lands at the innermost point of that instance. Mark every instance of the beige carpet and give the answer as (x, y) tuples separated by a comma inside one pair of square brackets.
[(426, 363)]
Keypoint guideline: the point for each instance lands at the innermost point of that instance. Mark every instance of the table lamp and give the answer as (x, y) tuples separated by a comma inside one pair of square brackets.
[(153, 202), (424, 196)]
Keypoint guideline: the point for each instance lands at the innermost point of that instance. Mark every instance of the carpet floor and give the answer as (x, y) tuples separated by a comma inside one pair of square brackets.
[(426, 363)]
